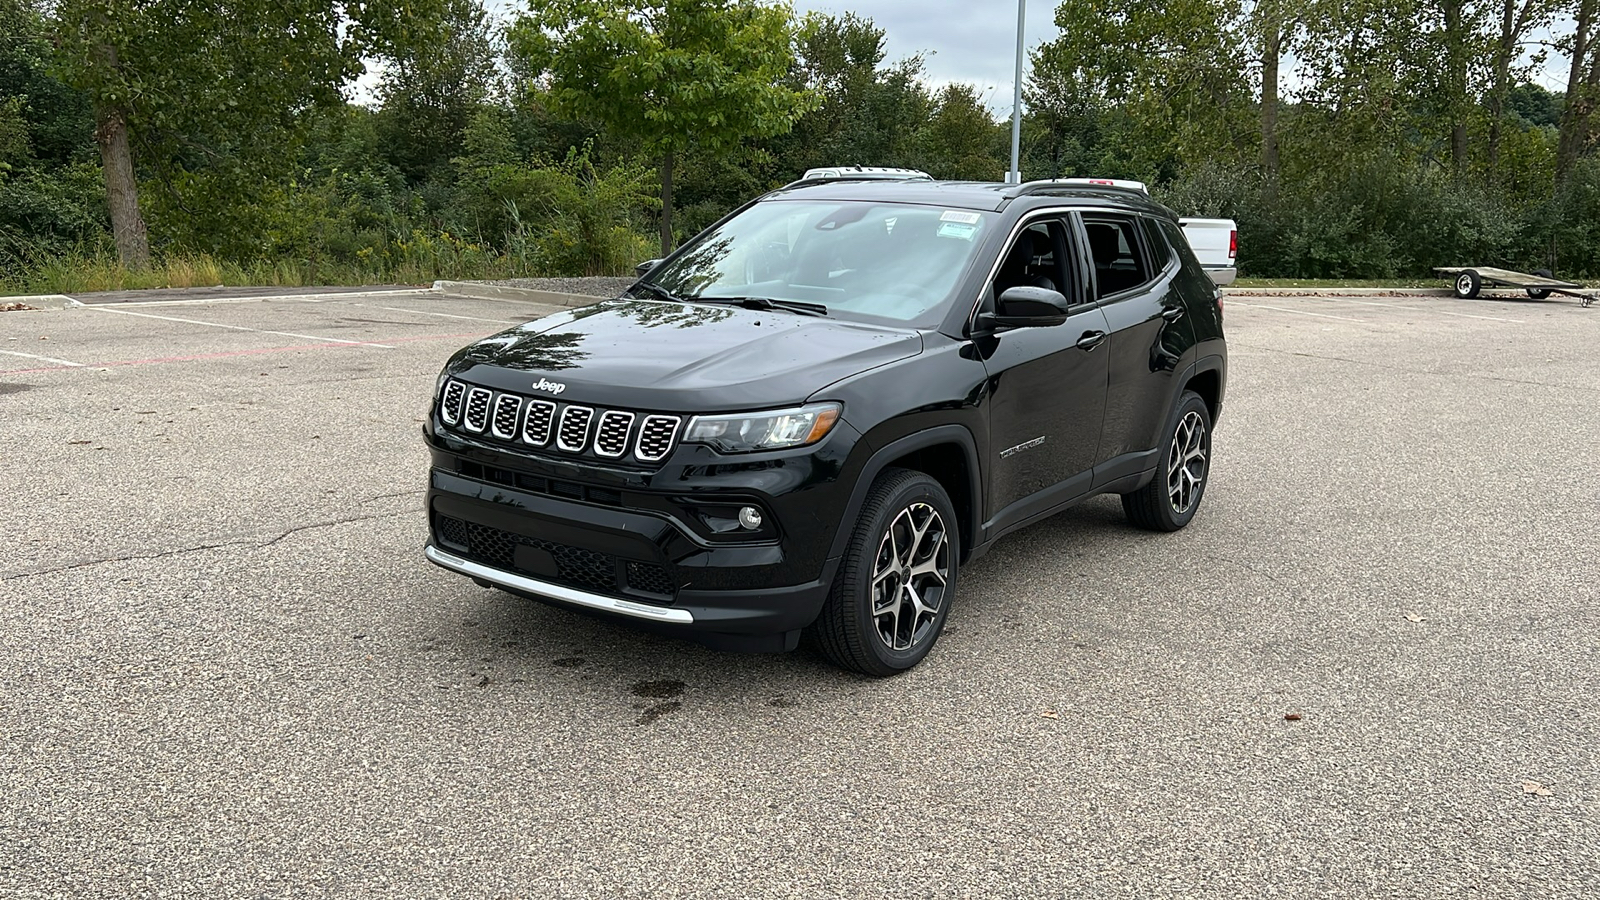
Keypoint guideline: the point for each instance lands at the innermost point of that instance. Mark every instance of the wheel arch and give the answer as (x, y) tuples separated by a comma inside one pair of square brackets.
[(946, 453), (1206, 378)]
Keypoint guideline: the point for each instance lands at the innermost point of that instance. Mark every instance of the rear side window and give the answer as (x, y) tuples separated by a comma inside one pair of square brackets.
[(1160, 251), (1119, 263)]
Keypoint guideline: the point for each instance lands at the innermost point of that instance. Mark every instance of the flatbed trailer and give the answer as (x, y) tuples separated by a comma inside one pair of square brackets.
[(1539, 285)]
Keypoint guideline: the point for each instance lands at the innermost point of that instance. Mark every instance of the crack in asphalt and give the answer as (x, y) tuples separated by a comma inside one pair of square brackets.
[(243, 542)]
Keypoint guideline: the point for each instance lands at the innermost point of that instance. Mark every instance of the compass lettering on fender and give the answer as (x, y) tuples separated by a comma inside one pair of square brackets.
[(1026, 445)]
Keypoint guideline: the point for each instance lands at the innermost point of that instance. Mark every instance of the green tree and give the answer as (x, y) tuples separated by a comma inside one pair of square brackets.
[(197, 78), (666, 75), (868, 113), (431, 90), (961, 140)]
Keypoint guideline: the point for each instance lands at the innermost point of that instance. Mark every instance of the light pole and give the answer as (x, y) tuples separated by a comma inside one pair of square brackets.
[(1015, 176)]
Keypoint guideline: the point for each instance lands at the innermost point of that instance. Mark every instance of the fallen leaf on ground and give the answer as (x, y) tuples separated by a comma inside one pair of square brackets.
[(1049, 714), (1413, 617), (1291, 717), (1535, 788)]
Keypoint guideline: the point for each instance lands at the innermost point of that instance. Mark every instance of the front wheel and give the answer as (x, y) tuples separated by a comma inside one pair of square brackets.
[(1468, 284), (1171, 498), (893, 590)]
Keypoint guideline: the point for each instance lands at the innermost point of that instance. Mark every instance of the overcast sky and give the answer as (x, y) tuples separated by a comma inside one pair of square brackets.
[(962, 40)]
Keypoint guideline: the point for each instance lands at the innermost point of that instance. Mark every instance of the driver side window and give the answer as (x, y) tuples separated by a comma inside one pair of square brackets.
[(1038, 257)]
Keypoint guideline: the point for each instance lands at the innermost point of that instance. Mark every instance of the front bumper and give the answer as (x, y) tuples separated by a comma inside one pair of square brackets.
[(626, 563)]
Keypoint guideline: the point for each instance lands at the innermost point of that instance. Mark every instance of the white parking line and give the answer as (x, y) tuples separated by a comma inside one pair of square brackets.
[(307, 337), (1234, 304), (49, 359), (420, 312)]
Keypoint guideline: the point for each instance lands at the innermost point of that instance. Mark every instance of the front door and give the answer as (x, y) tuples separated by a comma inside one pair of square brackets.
[(1047, 386)]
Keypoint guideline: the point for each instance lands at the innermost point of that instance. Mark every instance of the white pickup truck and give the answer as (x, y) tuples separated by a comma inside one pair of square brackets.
[(1216, 243)]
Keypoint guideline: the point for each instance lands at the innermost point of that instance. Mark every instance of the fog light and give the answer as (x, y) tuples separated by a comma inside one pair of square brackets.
[(750, 518)]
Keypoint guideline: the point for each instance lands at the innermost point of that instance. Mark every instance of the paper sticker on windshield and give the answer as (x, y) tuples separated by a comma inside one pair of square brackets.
[(958, 230), (965, 218)]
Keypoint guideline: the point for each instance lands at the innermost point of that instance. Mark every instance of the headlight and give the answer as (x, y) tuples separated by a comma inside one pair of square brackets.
[(748, 432)]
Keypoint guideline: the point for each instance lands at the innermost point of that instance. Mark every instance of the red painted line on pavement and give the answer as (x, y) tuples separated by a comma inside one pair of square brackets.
[(256, 351)]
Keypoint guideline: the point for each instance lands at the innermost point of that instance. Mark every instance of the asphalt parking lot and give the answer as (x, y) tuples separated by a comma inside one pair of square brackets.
[(1369, 667)]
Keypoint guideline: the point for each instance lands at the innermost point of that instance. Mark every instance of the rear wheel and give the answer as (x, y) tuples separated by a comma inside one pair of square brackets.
[(1170, 500), (889, 601), (1540, 293), (1468, 284)]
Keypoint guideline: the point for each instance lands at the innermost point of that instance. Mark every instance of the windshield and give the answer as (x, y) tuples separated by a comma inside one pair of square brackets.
[(884, 260)]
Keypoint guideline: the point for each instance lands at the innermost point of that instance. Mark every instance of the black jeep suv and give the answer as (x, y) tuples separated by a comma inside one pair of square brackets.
[(815, 413)]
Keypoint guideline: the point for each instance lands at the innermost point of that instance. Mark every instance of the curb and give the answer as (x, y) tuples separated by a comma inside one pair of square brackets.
[(43, 301), (1337, 292), (479, 290)]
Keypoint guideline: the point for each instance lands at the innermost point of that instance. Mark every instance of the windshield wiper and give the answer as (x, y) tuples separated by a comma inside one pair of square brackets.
[(656, 291), (794, 306)]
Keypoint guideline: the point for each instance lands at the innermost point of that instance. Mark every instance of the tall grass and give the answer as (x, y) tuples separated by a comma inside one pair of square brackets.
[(86, 272)]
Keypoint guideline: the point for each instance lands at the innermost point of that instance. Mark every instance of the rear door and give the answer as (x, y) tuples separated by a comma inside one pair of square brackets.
[(1046, 393), (1134, 268)]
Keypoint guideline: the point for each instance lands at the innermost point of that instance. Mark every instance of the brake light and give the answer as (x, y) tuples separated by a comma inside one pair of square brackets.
[(1233, 244)]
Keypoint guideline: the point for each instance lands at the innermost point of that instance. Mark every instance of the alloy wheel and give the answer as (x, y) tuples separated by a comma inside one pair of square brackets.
[(1186, 463), (909, 577)]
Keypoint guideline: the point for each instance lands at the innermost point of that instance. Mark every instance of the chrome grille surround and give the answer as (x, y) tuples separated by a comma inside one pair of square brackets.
[(656, 437), (611, 438), (572, 429), (450, 402), (507, 410), (536, 427), (476, 415), (574, 433)]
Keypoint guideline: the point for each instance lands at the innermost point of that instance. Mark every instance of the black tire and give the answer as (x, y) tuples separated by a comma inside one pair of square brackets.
[(1540, 293), (1156, 506), (1468, 284), (848, 633)]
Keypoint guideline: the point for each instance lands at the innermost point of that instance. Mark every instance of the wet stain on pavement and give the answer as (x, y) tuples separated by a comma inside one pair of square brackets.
[(568, 662), (658, 690), (659, 710)]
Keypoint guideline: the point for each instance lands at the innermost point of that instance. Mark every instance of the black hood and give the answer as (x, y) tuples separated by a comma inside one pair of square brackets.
[(688, 357)]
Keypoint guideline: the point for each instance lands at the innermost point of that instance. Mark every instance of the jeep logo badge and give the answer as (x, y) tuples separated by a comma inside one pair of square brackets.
[(554, 387)]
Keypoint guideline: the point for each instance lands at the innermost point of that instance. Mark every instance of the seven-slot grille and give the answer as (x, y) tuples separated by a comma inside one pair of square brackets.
[(570, 428)]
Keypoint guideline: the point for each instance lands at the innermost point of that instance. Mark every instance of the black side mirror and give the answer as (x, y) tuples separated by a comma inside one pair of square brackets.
[(645, 268), (1025, 306)]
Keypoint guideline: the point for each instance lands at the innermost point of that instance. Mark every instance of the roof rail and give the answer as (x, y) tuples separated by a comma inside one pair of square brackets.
[(863, 173), (1045, 187)]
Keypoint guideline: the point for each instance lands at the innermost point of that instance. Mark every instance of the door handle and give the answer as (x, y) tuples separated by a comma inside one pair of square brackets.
[(1172, 313), (1091, 340)]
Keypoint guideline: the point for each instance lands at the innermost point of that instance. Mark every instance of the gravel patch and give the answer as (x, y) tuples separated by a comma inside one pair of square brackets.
[(594, 286)]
